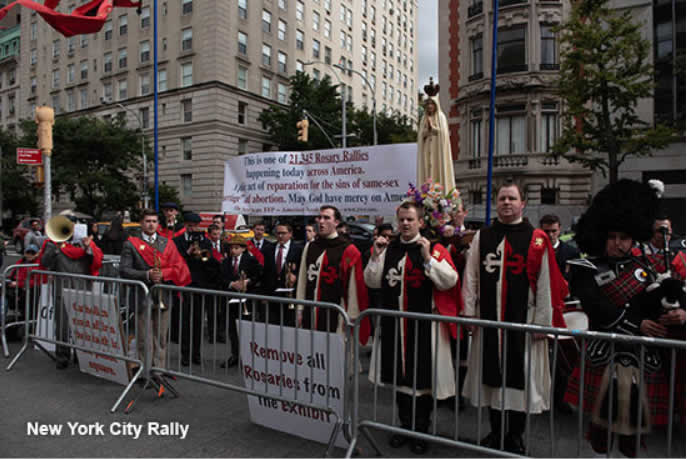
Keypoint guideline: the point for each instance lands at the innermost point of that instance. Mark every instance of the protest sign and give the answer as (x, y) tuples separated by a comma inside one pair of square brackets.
[(297, 371), (94, 323), (358, 180)]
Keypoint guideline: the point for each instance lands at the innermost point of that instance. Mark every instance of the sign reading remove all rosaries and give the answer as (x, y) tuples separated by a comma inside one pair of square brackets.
[(359, 180)]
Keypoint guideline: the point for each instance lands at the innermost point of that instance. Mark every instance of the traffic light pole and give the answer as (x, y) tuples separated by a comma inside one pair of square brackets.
[(47, 188)]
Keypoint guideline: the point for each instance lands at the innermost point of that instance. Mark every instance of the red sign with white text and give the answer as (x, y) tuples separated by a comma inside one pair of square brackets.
[(29, 156)]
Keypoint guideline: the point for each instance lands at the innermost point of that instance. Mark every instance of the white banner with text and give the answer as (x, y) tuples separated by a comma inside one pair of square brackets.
[(357, 180), (308, 371)]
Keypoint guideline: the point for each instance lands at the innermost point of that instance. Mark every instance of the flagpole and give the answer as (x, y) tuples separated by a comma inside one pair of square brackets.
[(490, 168), (155, 97)]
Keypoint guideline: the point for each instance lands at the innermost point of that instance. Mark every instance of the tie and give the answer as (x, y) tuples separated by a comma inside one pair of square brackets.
[(236, 266), (280, 254)]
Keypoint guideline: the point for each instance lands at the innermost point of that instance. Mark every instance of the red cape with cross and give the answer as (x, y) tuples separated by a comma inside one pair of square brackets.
[(85, 19)]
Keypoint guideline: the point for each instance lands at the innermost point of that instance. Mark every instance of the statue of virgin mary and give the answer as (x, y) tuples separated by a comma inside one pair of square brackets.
[(434, 159)]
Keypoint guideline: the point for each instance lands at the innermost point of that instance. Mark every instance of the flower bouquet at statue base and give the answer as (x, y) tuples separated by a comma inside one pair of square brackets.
[(439, 207)]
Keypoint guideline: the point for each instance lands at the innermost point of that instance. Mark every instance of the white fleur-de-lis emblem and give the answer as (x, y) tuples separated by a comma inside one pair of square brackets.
[(493, 261), (313, 270), (395, 274)]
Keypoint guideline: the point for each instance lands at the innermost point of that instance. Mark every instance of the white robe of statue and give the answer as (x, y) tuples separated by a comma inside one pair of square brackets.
[(434, 159)]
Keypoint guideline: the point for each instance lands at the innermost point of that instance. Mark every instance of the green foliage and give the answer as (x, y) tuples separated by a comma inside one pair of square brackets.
[(321, 100), (19, 196), (605, 71), (97, 163)]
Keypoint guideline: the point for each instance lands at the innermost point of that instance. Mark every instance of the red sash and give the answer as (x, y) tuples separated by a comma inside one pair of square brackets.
[(173, 266), (255, 252)]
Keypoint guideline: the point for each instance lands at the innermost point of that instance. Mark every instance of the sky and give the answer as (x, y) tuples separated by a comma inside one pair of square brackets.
[(428, 36)]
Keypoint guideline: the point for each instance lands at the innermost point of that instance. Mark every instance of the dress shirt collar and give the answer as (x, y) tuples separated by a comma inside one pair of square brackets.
[(415, 239), (150, 239)]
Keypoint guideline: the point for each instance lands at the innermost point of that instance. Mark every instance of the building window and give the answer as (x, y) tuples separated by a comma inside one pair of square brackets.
[(55, 104), (107, 62), (282, 96), (187, 185), (349, 43), (187, 39), (242, 77), (266, 87), (300, 10), (316, 21), (548, 134), (187, 148), (243, 9), (186, 6), (281, 30), (328, 28), (107, 91), (34, 85), (144, 114), (122, 89), (316, 49), (548, 195), (145, 17), (266, 21), (187, 110), (243, 147), (186, 74), (145, 51), (34, 30), (477, 58), (70, 74), (145, 83), (328, 6), (108, 30), (243, 43), (327, 55), (84, 70), (282, 62), (34, 56), (476, 197), (669, 91), (55, 79), (162, 80), (316, 74), (56, 48), (299, 40), (83, 98), (511, 50), (243, 112), (511, 130), (283, 5), (299, 66), (342, 39), (84, 41), (123, 24), (549, 51), (266, 55), (476, 137)]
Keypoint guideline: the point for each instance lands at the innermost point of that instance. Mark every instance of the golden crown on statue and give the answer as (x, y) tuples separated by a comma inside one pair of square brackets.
[(431, 89)]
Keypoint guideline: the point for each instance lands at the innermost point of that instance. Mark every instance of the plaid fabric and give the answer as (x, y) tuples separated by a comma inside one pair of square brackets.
[(626, 285), (656, 389)]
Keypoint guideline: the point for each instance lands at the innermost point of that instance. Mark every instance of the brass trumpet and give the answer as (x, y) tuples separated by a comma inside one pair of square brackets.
[(157, 267), (172, 222), (243, 290), (288, 284), (202, 254)]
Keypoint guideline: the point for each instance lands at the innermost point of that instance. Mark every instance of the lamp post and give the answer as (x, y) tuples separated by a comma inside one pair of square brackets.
[(143, 154), (374, 99), (343, 101)]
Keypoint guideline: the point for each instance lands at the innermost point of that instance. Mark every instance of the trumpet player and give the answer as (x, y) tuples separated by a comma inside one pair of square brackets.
[(170, 226), (67, 256), (282, 261), (240, 273), (206, 274), (152, 259)]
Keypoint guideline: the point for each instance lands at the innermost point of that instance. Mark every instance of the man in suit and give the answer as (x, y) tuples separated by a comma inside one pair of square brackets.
[(551, 225), (152, 259), (280, 258), (170, 226), (240, 273), (310, 232), (214, 235), (259, 240), (206, 274)]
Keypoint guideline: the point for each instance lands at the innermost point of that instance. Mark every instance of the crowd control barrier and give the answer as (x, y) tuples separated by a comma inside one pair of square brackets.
[(282, 363), (463, 433), (12, 303), (100, 313)]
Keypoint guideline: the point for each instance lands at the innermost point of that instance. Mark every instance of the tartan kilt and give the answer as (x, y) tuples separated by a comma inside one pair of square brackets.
[(657, 391)]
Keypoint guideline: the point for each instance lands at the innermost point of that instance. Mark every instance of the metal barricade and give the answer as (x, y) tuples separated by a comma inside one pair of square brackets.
[(267, 327), (375, 414), (12, 302), (100, 314)]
